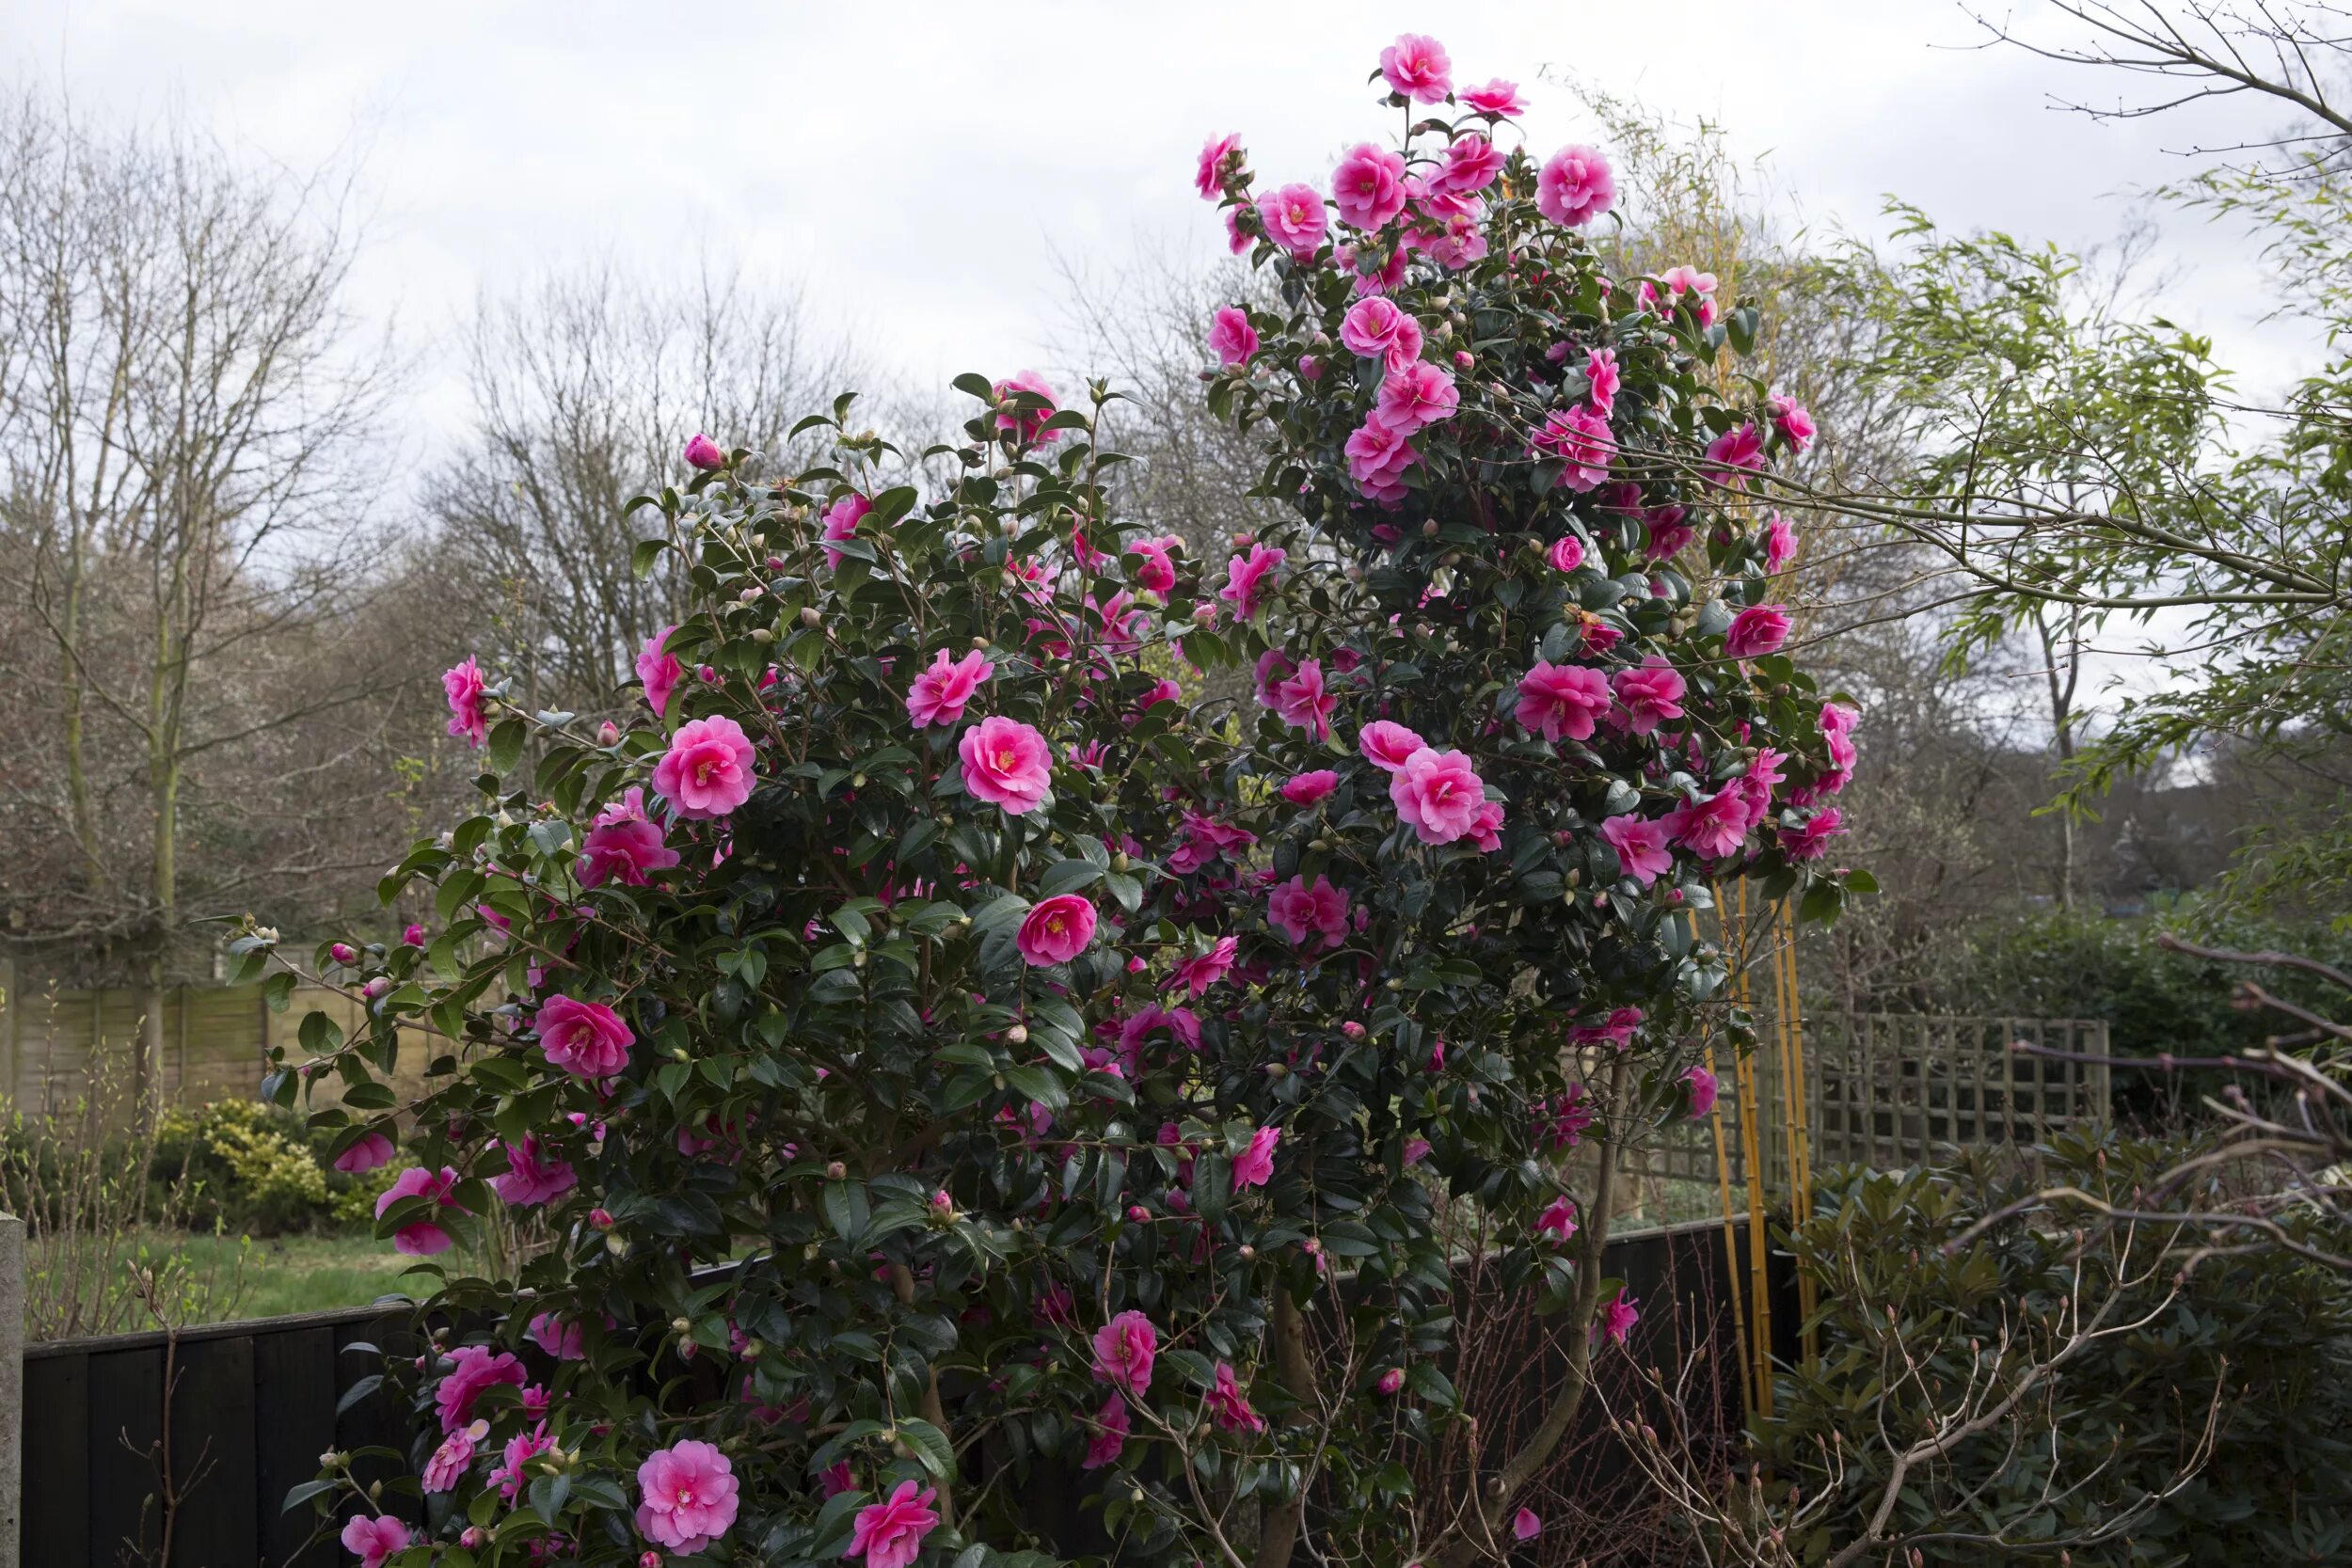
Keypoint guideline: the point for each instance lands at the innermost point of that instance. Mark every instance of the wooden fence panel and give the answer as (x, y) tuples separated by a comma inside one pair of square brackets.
[(216, 1043)]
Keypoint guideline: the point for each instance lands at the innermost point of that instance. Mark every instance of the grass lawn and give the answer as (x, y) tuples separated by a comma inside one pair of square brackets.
[(304, 1274)]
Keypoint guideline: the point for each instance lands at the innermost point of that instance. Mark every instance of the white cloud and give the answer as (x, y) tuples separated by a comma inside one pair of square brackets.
[(918, 163)]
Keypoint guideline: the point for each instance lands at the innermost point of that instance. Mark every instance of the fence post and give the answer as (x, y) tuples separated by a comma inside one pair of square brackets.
[(11, 1387)]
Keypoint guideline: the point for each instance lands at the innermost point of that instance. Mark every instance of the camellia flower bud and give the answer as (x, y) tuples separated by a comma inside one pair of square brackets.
[(836, 1171), (600, 1218), (413, 936), (608, 734)]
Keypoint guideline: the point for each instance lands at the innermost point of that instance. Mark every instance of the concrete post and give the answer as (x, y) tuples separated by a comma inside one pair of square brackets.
[(11, 1390)]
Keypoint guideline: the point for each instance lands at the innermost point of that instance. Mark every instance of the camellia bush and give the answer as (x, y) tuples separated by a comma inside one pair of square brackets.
[(972, 1097)]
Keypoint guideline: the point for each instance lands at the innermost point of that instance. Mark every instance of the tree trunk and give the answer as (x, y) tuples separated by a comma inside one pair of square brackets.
[(1279, 1532)]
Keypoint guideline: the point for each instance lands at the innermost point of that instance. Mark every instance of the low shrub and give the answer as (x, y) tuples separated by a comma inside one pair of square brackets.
[(2103, 1460), (254, 1167)]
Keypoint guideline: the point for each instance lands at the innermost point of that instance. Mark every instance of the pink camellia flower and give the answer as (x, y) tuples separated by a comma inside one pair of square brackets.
[(1666, 531), (1713, 825), (1497, 100), (1581, 441), (563, 1340), (1810, 841), (1301, 702), (1470, 165), (520, 1449), (1793, 420), (1157, 572), (1641, 847), (448, 1464), (1027, 424), (533, 1174), (1562, 1122), (1735, 454), (471, 1370), (1758, 630), (1208, 177), (1125, 1349), (1525, 1525), (1379, 328), (686, 1495), (1005, 763), (464, 686), (1618, 1318), (585, 1038), (940, 691), (1109, 1438), (1055, 930), (420, 1238), (1837, 722), (1557, 700), (1387, 746), (366, 1154), (625, 852), (1413, 397), (1558, 1220), (1702, 1092), (1254, 1166), (1230, 1405), (413, 934), (1369, 186), (1202, 970), (1651, 694), (1378, 456), (1294, 219), (1566, 553), (1602, 380), (1417, 68), (707, 773), (889, 1534), (1249, 577), (1678, 281), (1298, 908), (660, 671), (1574, 186), (1231, 339), (841, 520), (703, 453), (1780, 543), (1440, 794), (1616, 1029), (376, 1540), (1391, 1381), (1305, 789)]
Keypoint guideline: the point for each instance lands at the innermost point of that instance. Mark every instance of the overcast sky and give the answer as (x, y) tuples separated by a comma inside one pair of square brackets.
[(918, 164)]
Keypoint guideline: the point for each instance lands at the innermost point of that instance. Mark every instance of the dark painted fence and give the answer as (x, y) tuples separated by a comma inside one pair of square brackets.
[(224, 1421), (234, 1416)]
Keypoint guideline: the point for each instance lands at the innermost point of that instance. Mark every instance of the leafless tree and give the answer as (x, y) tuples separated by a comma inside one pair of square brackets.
[(585, 387), (188, 412)]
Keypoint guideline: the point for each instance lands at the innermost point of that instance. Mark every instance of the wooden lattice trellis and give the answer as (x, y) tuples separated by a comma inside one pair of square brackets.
[(1892, 1090)]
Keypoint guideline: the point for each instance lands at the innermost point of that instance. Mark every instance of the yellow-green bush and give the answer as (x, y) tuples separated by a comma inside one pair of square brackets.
[(251, 1166)]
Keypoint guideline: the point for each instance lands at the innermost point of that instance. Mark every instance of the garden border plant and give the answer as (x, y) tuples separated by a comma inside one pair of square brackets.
[(1039, 1044)]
